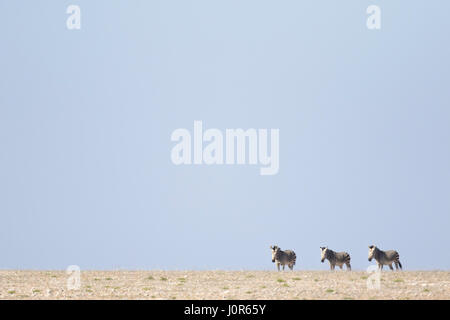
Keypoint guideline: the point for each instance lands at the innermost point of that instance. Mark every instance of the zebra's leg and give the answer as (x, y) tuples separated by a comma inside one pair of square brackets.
[(291, 266), (340, 266), (349, 267), (278, 266), (391, 267), (396, 265), (283, 266), (380, 266), (333, 266)]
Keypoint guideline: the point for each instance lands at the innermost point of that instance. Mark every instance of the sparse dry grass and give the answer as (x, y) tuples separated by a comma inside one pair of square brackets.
[(224, 285)]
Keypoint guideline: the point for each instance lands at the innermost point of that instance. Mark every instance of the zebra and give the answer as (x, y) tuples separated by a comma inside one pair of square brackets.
[(335, 258), (384, 257), (283, 257)]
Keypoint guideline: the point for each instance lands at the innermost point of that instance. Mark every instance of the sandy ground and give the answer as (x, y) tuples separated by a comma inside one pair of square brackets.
[(225, 285)]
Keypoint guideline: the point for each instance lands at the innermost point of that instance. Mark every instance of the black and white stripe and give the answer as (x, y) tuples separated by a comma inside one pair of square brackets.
[(335, 258), (280, 257), (385, 257)]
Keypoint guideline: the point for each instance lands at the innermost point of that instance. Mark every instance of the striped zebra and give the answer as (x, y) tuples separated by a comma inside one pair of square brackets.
[(335, 258), (283, 257), (384, 257)]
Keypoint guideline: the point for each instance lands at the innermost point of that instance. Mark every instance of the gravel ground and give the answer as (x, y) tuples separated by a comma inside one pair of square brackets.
[(225, 285)]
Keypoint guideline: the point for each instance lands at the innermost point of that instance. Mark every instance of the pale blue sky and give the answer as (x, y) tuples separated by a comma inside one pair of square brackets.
[(86, 118)]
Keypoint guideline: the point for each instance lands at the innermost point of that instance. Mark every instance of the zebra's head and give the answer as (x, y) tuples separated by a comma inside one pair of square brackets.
[(275, 250), (323, 251), (372, 249)]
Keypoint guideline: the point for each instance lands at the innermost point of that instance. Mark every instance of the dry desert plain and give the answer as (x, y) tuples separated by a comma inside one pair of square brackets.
[(224, 285)]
